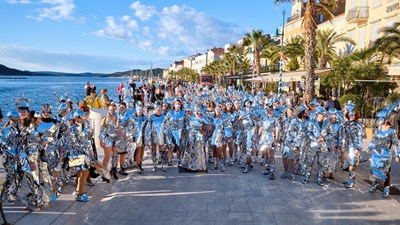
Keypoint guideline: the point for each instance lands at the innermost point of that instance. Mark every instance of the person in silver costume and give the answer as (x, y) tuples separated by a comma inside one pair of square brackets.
[(269, 133), (122, 143), (353, 134), (157, 137), (331, 144), (220, 135), (247, 119), (228, 112), (312, 131), (48, 130), (175, 124), (194, 156), (237, 127), (383, 147), (79, 146), (108, 136), (139, 121), (292, 136), (63, 116)]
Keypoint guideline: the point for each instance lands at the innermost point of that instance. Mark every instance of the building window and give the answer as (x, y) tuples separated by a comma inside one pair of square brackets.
[(374, 31), (377, 3)]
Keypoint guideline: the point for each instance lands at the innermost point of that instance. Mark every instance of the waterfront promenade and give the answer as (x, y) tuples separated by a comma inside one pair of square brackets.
[(221, 199)]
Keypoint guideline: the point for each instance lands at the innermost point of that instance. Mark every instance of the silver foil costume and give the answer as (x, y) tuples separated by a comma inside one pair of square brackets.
[(194, 157)]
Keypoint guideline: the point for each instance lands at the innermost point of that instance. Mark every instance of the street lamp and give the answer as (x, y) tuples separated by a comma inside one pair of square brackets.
[(281, 54)]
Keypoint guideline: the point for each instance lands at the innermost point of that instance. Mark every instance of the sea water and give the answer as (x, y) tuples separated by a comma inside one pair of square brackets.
[(43, 89)]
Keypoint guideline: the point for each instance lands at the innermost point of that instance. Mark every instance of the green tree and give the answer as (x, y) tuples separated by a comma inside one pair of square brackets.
[(389, 43), (313, 8), (186, 74), (326, 41), (256, 41)]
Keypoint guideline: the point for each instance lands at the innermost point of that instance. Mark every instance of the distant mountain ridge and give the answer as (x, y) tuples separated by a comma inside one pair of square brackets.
[(4, 70)]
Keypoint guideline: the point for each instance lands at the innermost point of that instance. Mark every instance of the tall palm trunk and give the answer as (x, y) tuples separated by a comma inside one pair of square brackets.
[(310, 31), (258, 61), (323, 61)]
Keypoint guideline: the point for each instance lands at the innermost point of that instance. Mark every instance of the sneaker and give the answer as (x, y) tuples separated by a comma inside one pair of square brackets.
[(90, 183), (385, 193), (222, 167), (272, 176), (154, 168), (349, 183), (246, 168), (320, 182), (292, 177), (82, 198), (373, 187), (164, 168), (170, 162), (123, 172), (229, 162), (305, 180), (284, 175)]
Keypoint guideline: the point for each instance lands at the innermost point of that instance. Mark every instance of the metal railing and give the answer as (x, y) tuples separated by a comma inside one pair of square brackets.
[(358, 13)]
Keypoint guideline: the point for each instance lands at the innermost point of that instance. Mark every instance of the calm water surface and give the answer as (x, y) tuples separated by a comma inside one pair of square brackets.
[(40, 89)]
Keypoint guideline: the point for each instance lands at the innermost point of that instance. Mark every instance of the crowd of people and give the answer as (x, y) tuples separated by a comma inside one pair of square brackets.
[(202, 127)]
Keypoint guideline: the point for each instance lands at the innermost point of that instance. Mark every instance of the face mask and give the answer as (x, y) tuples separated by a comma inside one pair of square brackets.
[(112, 113)]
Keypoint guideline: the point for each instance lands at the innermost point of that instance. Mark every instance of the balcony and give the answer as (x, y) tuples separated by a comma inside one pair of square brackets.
[(358, 14), (294, 17)]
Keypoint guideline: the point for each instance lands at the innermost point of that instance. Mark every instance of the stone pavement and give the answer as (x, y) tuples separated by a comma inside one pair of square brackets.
[(220, 198)]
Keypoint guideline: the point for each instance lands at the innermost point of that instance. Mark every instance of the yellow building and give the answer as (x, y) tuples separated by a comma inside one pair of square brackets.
[(360, 20)]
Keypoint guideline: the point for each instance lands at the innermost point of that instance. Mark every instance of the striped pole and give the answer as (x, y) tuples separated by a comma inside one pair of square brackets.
[(281, 55)]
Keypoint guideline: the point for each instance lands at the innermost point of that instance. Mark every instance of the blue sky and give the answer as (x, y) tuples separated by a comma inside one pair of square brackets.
[(118, 35)]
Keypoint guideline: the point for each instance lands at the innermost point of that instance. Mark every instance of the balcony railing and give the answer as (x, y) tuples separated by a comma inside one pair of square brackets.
[(294, 17), (358, 14)]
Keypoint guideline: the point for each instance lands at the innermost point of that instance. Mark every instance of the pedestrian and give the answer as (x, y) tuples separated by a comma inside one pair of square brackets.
[(383, 147), (104, 98), (87, 88), (120, 90), (333, 103), (93, 101), (353, 134)]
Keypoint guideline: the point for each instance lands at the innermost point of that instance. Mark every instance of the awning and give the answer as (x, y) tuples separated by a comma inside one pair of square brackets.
[(394, 70), (287, 76)]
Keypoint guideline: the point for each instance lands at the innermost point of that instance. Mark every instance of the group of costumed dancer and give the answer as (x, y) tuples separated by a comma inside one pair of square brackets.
[(206, 128)]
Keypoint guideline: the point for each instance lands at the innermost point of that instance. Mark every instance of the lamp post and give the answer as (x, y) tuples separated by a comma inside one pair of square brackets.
[(281, 55)]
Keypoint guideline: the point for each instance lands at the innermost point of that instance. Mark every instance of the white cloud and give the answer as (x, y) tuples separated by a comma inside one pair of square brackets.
[(120, 29), (175, 52), (60, 10), (194, 30), (143, 12), (23, 58), (19, 1), (145, 45)]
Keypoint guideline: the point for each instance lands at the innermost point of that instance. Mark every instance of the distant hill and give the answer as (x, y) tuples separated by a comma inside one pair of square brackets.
[(4, 70), (136, 72)]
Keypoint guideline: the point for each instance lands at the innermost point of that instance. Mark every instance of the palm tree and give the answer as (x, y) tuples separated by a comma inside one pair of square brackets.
[(362, 56), (389, 43), (326, 41), (313, 8), (256, 40)]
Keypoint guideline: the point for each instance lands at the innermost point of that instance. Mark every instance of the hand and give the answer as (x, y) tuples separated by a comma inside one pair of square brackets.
[(32, 166), (397, 160), (356, 152), (102, 144)]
